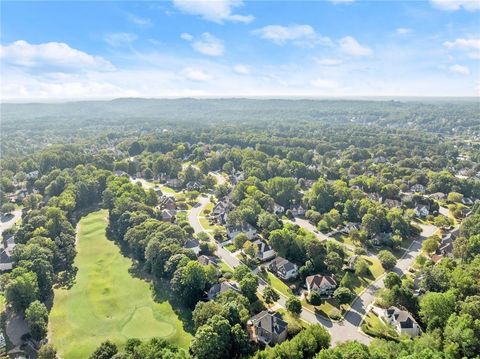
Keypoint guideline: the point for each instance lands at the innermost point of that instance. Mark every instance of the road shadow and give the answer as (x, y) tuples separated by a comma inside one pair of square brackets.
[(6, 217)]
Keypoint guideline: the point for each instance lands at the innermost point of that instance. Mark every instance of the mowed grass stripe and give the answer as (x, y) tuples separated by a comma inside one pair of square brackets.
[(106, 302)]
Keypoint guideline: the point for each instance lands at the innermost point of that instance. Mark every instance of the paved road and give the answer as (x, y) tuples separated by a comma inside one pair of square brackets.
[(348, 328), (219, 177), (8, 221)]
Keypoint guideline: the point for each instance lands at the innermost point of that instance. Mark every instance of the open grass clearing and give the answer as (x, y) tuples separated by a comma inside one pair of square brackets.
[(106, 302)]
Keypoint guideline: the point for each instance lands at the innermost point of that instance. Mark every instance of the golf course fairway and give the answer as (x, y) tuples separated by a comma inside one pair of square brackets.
[(106, 302)]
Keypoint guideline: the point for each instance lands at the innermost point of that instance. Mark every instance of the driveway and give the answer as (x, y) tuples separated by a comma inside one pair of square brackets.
[(9, 220)]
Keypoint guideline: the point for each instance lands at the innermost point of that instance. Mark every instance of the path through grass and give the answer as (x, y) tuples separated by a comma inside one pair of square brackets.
[(106, 302)]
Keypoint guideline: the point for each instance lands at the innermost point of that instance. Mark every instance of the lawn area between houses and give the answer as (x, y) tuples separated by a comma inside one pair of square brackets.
[(276, 283), (106, 302)]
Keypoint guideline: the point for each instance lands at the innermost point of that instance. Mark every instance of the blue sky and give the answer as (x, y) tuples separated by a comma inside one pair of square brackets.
[(67, 50)]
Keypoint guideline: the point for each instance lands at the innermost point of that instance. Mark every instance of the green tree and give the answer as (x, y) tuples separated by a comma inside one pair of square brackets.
[(106, 350), (343, 295), (21, 288), (333, 261), (392, 279), (270, 295), (294, 305), (47, 351), (36, 316), (435, 308), (248, 286), (461, 336), (387, 259)]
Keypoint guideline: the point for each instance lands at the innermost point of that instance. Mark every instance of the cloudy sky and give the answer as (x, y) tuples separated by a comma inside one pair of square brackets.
[(67, 50)]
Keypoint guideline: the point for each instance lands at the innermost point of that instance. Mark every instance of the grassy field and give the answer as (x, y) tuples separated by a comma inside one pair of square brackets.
[(106, 302), (374, 326)]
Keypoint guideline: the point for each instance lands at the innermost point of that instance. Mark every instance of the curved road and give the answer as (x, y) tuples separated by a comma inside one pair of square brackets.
[(8, 221)]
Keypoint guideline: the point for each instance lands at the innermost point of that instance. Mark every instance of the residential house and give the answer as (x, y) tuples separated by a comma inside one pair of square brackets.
[(237, 177), (421, 211), (167, 202), (350, 265), (419, 188), (350, 226), (193, 186), (402, 321), (278, 209), (246, 228), (207, 260), (193, 245), (158, 192), (392, 203), (263, 250), (309, 183), (220, 211), (267, 328), (174, 183), (283, 268), (168, 215), (467, 201), (32, 175), (6, 254), (379, 159), (324, 285), (298, 211), (219, 288), (382, 239), (439, 196)]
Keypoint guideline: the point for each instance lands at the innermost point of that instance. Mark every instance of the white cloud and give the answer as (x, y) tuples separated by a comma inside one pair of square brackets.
[(459, 69), (51, 55), (242, 69), (463, 44), (139, 21), (329, 62), (403, 30), (351, 46), (217, 11), (299, 34), (120, 39), (208, 45), (195, 74), (454, 5), (324, 84), (186, 36)]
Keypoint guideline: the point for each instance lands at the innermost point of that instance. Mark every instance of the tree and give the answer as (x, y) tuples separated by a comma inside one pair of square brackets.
[(387, 259), (106, 350), (455, 197), (294, 305), (343, 295), (240, 240), (361, 268), (461, 336), (315, 298), (435, 308), (248, 286), (190, 281), (333, 261), (21, 288), (371, 223), (240, 272), (7, 208), (392, 279), (204, 311), (212, 340), (47, 351), (36, 316), (430, 244), (270, 295)]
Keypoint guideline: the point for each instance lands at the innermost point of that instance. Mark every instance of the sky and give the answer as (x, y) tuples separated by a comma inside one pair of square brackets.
[(229, 48)]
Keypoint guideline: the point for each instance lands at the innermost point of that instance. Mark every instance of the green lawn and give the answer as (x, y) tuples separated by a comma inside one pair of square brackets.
[(106, 302), (374, 326), (278, 284)]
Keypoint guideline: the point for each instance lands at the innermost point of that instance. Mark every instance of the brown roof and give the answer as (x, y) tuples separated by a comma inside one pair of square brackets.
[(318, 280)]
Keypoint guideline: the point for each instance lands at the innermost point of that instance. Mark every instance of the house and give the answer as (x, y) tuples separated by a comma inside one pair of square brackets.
[(421, 211), (297, 211), (237, 177), (193, 186), (6, 254), (246, 228), (267, 328), (3, 343), (278, 209), (263, 250), (439, 196), (219, 288), (168, 215), (283, 268), (418, 188), (350, 226), (207, 260), (379, 159), (32, 175), (350, 265), (324, 285), (158, 192), (392, 203), (467, 201), (382, 239), (193, 245), (167, 202), (402, 321), (174, 183), (220, 211), (309, 183)]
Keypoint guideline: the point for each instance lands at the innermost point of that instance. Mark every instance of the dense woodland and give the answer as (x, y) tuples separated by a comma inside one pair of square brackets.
[(336, 158)]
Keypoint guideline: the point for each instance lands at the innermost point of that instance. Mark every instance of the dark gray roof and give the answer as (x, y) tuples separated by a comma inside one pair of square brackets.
[(191, 243), (272, 323)]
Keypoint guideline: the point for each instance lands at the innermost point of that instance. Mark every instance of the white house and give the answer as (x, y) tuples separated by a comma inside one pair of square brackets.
[(263, 250), (278, 209), (298, 211), (283, 268), (421, 211), (193, 245), (418, 188), (324, 285), (402, 321), (246, 228)]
